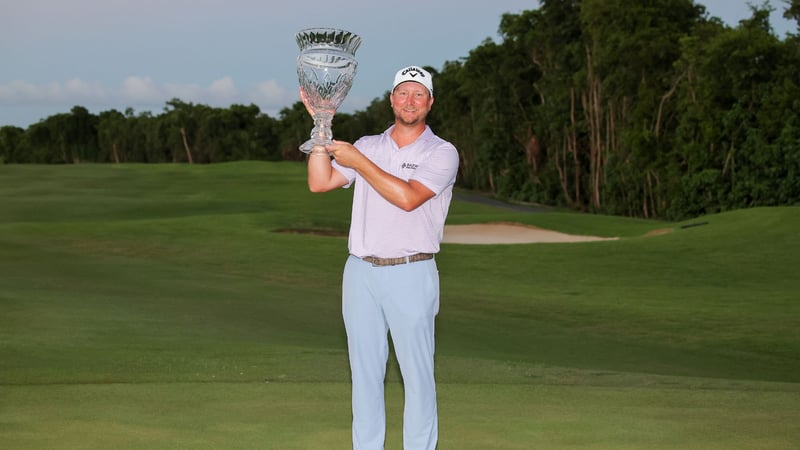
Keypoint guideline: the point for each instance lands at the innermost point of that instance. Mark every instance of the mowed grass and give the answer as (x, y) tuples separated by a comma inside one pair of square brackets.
[(176, 306)]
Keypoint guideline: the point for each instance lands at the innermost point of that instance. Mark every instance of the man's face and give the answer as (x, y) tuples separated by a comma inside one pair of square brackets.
[(411, 102)]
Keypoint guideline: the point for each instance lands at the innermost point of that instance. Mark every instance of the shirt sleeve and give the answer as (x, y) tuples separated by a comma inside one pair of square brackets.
[(439, 170), (348, 173)]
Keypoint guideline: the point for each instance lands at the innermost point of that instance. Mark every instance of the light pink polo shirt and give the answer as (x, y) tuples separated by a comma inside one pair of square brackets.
[(378, 228)]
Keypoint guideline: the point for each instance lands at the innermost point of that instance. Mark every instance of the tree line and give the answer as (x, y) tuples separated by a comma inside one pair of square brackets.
[(648, 109)]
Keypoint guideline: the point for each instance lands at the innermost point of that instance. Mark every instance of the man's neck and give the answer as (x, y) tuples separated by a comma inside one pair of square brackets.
[(406, 134)]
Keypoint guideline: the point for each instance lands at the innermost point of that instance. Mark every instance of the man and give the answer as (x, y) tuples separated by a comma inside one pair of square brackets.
[(403, 186)]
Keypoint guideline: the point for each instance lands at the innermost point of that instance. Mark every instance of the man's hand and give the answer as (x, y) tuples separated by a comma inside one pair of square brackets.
[(346, 154), (307, 103), (304, 99)]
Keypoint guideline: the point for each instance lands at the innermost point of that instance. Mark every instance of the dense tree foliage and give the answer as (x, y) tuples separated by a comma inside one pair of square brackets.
[(650, 109)]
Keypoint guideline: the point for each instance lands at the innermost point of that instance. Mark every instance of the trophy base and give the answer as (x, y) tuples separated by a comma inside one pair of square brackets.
[(308, 146)]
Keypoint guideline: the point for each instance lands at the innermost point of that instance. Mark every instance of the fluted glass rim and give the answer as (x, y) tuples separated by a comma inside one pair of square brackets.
[(347, 41)]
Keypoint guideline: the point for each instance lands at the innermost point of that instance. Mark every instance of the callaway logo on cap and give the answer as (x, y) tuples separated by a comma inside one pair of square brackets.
[(414, 73)]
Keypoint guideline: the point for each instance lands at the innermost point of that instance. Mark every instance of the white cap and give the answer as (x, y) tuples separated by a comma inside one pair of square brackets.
[(414, 73)]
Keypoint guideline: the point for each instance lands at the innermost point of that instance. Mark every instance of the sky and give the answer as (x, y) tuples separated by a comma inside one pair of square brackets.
[(119, 54)]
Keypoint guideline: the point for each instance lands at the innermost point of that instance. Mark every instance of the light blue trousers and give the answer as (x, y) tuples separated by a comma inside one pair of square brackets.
[(402, 300)]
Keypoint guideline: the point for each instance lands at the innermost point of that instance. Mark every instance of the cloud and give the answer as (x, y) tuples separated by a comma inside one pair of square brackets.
[(140, 91), (223, 89), (20, 92), (272, 93)]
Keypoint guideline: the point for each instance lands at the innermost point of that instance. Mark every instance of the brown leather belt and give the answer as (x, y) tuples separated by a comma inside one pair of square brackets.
[(375, 261)]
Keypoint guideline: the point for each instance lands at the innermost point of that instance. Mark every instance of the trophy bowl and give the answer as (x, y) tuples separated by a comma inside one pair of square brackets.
[(326, 68)]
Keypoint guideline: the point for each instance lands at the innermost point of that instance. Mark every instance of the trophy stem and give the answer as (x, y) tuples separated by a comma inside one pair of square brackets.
[(321, 135)]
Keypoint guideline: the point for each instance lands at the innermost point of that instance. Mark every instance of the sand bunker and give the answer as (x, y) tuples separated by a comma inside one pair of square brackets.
[(505, 233)]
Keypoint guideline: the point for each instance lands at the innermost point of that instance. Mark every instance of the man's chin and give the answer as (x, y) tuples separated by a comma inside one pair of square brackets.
[(415, 120)]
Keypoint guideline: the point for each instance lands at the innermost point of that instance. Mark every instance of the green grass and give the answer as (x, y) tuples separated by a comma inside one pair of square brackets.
[(165, 306)]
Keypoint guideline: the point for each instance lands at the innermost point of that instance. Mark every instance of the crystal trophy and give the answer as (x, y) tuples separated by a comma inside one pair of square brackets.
[(326, 67)]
